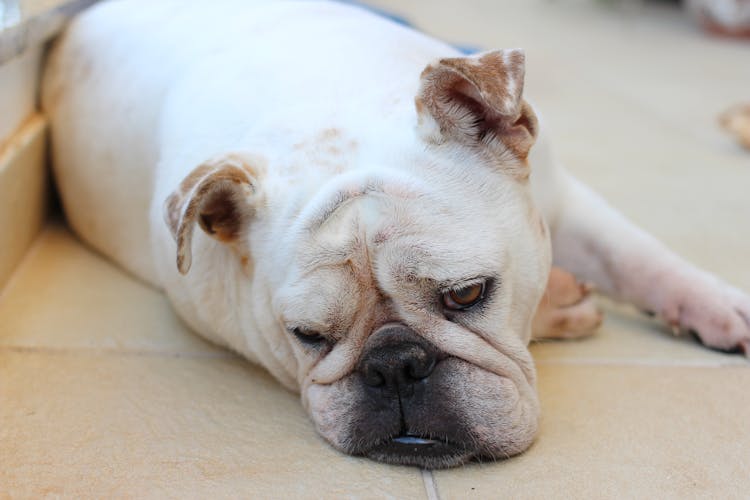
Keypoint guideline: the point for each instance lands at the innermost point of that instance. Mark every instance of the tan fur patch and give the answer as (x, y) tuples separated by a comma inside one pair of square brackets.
[(247, 263), (329, 148), (329, 133)]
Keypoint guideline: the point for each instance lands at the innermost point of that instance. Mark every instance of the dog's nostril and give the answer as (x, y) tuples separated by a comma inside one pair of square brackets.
[(420, 367), (372, 376)]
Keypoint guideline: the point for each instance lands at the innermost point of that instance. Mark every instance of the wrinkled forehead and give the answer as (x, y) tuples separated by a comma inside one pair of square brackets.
[(346, 210), (400, 231), (351, 226)]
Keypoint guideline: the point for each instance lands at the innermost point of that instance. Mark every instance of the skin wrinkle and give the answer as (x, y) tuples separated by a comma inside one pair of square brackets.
[(471, 348), (342, 359), (515, 422), (370, 299), (367, 183), (341, 199), (518, 356)]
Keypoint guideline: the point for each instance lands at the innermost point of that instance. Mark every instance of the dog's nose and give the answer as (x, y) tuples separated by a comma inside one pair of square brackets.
[(396, 358)]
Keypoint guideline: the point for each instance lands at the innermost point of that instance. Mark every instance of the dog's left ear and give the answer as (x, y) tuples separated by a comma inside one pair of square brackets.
[(221, 195), (476, 101)]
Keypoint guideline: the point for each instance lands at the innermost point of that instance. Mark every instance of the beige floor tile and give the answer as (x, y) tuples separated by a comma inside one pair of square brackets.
[(64, 296), (608, 432), (105, 426)]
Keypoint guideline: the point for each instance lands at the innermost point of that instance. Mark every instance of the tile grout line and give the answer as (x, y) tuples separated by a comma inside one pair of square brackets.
[(430, 487), (117, 352), (740, 362)]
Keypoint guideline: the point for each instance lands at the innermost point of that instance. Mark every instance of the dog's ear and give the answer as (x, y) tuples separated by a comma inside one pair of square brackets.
[(221, 195), (476, 100)]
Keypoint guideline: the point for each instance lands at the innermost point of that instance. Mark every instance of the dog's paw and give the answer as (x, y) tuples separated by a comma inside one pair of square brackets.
[(567, 310), (717, 313)]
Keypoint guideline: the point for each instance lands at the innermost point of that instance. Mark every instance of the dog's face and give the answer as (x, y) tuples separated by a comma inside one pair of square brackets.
[(406, 292), (409, 313)]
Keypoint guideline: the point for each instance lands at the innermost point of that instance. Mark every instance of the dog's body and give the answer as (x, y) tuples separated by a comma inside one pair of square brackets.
[(334, 211)]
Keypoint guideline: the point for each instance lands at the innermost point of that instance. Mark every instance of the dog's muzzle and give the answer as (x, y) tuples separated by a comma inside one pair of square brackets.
[(395, 370)]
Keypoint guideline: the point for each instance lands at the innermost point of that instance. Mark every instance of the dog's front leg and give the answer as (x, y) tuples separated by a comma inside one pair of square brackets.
[(598, 244)]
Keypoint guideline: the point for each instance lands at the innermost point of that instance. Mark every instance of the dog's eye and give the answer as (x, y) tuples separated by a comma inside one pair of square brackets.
[(308, 337), (461, 299)]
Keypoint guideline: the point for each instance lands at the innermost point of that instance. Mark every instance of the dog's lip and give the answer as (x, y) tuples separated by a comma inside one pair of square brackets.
[(409, 449), (408, 443), (409, 439)]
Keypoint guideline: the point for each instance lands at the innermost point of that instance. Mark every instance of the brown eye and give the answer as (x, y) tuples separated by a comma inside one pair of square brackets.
[(463, 298)]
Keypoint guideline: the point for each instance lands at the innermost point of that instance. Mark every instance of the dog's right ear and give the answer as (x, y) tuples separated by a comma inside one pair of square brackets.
[(221, 195)]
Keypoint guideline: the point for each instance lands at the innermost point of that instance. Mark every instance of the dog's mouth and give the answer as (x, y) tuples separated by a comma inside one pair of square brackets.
[(421, 451)]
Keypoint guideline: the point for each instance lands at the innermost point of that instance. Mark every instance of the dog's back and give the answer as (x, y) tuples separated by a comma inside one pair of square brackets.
[(102, 91)]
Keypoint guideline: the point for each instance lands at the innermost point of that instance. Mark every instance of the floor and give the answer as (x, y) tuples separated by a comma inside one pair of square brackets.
[(104, 393)]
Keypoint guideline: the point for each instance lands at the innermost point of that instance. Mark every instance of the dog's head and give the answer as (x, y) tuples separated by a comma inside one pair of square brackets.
[(403, 293)]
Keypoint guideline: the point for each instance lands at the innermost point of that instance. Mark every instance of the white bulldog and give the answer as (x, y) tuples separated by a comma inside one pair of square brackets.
[(376, 228)]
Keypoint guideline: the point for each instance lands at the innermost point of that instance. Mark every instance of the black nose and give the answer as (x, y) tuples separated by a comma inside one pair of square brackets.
[(395, 357)]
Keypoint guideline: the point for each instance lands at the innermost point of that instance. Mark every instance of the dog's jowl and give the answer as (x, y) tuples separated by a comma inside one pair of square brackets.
[(355, 206)]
